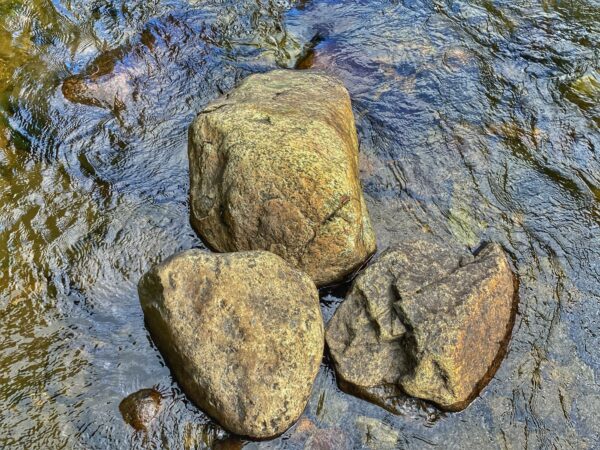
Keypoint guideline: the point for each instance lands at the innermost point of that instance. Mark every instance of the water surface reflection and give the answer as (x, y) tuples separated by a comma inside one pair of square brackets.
[(478, 121)]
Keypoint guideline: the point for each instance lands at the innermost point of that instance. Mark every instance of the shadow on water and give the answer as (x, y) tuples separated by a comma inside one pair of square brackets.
[(478, 120)]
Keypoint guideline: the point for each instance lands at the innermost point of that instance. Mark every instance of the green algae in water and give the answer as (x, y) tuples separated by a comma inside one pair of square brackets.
[(589, 86)]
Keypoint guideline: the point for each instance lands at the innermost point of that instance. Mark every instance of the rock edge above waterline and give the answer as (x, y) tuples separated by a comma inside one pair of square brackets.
[(424, 320)]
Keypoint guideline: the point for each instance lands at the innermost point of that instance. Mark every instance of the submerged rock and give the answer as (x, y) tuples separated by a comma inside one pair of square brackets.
[(4, 136), (104, 89), (319, 55), (110, 80), (274, 166), (307, 435), (377, 435), (230, 443), (425, 320), (140, 408), (242, 333), (328, 439)]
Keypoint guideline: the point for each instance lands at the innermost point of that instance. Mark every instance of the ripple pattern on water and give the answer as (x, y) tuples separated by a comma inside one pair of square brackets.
[(478, 120)]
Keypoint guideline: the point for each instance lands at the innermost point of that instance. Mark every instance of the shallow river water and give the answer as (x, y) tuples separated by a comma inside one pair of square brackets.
[(478, 120)]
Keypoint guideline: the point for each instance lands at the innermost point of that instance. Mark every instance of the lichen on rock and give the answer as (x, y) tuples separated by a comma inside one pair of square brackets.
[(274, 166)]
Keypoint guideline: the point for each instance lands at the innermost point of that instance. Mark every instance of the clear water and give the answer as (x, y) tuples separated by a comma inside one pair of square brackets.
[(478, 119)]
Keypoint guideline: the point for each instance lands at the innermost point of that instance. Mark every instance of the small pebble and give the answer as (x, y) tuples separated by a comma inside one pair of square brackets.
[(140, 408)]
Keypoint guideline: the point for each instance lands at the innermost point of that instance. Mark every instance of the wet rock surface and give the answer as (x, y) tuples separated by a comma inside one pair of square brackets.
[(377, 435), (274, 166), (230, 443), (328, 439), (101, 85), (319, 55), (140, 408), (307, 435), (425, 320), (242, 333)]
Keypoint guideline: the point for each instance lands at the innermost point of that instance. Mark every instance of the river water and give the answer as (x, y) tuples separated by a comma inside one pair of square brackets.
[(478, 120)]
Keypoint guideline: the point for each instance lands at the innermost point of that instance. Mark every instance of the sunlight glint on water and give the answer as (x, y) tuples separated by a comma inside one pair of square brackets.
[(478, 121)]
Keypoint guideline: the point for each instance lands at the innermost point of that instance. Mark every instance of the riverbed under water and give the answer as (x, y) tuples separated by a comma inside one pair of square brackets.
[(478, 120)]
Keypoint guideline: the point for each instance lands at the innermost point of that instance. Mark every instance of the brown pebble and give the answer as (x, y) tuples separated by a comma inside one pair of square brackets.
[(140, 408)]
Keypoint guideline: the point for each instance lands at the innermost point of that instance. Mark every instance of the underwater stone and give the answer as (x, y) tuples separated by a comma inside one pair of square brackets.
[(377, 435)]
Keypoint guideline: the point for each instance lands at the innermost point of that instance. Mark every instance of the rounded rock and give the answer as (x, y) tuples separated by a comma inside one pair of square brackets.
[(274, 166), (242, 333), (140, 408)]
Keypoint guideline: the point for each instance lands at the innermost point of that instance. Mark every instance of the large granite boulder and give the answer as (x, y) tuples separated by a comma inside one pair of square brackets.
[(242, 333), (424, 320), (274, 166)]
